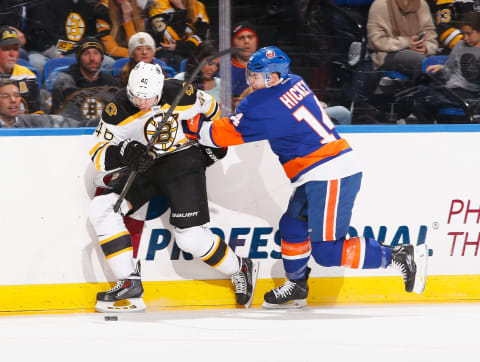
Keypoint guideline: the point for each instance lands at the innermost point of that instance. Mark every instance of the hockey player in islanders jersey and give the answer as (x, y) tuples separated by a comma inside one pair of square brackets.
[(322, 167), (175, 169)]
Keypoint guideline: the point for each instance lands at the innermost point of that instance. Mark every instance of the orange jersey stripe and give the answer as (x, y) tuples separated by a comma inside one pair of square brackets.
[(293, 249), (331, 210), (293, 167), (351, 252), (237, 64), (224, 133)]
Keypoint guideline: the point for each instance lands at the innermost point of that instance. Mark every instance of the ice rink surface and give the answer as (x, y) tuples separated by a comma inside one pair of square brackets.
[(387, 333)]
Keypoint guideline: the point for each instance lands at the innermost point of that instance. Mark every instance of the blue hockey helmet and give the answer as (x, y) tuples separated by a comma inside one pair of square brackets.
[(269, 60)]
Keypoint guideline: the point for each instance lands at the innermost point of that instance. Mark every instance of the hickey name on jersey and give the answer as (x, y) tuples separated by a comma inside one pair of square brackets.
[(295, 94)]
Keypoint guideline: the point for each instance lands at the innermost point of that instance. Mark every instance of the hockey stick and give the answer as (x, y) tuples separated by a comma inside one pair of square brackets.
[(167, 115)]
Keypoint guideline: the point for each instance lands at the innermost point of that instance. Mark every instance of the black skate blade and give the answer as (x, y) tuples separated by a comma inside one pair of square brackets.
[(420, 257), (293, 304), (255, 267), (131, 305)]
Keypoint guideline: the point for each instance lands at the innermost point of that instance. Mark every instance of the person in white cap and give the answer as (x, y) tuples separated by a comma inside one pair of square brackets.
[(141, 48)]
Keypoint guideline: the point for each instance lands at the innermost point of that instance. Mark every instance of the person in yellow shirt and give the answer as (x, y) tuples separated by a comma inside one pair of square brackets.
[(25, 78)]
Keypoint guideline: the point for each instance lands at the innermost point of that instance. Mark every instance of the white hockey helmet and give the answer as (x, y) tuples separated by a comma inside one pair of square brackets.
[(145, 81)]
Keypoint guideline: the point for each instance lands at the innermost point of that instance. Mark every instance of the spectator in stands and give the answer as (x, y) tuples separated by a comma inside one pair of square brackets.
[(54, 28), (206, 79), (83, 90), (10, 116), (395, 29), (141, 47), (117, 21), (461, 72), (178, 26), (244, 36), (9, 103), (25, 78), (447, 16), (12, 13), (338, 114)]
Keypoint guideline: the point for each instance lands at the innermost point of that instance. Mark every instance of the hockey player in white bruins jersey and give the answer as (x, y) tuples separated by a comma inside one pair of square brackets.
[(176, 169)]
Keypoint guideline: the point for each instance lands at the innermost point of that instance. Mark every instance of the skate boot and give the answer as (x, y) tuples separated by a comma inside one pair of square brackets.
[(411, 261), (291, 295), (126, 296), (245, 281)]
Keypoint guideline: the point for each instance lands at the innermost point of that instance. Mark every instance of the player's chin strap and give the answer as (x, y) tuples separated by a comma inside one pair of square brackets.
[(167, 116)]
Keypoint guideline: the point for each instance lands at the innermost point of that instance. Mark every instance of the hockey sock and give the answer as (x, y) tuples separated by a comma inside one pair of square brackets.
[(355, 253), (295, 258), (202, 243), (118, 251)]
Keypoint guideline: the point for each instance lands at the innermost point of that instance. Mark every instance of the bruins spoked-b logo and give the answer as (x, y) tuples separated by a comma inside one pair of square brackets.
[(92, 108), (74, 27), (168, 132)]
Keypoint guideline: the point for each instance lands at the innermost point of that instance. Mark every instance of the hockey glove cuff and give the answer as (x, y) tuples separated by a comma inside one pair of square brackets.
[(212, 154), (134, 155)]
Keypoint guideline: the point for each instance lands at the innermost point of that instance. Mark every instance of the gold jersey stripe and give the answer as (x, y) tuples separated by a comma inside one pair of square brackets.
[(132, 118), (213, 251), (119, 252), (114, 237), (177, 108), (98, 157), (96, 147)]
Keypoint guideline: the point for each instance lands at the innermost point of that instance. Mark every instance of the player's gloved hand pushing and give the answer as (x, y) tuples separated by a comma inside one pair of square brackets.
[(135, 156), (212, 154)]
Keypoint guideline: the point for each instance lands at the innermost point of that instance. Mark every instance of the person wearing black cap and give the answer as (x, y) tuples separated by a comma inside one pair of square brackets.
[(244, 36), (83, 89), (25, 78)]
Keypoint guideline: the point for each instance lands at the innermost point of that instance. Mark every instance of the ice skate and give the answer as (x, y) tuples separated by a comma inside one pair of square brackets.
[(245, 281), (124, 297), (411, 261), (291, 295)]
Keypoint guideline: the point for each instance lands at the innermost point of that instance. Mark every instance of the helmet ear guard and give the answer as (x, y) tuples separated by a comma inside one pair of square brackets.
[(145, 81)]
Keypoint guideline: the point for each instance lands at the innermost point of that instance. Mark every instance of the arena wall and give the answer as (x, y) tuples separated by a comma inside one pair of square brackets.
[(420, 185)]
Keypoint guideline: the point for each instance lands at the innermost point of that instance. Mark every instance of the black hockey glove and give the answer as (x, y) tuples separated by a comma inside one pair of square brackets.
[(212, 154), (134, 155)]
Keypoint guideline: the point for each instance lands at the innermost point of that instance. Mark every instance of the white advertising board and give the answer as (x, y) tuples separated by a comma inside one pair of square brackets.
[(420, 184)]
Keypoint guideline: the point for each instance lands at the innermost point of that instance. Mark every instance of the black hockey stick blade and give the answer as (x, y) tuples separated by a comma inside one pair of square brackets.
[(168, 114)]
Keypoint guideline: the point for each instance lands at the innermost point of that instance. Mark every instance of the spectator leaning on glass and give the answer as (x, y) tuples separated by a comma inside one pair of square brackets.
[(68, 95), (401, 34), (25, 78)]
